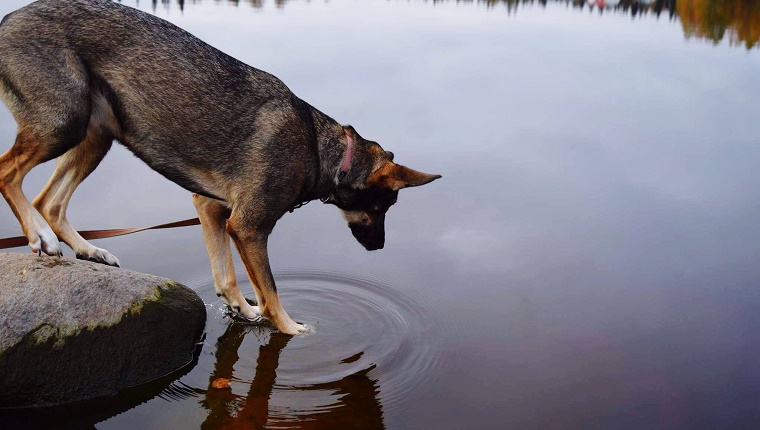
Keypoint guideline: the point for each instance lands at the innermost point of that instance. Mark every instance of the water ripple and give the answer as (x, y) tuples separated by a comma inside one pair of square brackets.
[(372, 343)]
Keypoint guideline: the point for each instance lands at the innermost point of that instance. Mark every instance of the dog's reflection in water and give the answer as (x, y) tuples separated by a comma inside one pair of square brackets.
[(356, 394)]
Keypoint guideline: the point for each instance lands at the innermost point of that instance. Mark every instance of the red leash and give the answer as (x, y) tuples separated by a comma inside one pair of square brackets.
[(13, 242)]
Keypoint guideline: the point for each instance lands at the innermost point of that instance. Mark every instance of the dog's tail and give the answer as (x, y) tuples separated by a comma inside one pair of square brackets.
[(4, 90), (8, 92), (5, 18)]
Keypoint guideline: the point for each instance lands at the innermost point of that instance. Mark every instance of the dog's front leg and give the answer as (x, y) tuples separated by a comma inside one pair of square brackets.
[(213, 216), (252, 246)]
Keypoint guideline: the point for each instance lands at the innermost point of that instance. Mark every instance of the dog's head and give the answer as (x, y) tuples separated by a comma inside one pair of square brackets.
[(371, 189)]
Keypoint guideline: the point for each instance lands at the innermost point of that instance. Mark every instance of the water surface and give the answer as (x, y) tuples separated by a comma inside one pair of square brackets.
[(589, 259)]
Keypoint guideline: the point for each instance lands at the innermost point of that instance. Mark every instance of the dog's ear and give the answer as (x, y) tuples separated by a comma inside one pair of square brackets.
[(394, 177)]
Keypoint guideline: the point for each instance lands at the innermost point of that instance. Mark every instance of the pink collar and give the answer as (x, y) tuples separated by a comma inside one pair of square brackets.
[(345, 164)]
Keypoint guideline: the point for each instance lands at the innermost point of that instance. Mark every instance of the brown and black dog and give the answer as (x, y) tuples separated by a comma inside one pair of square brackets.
[(79, 74)]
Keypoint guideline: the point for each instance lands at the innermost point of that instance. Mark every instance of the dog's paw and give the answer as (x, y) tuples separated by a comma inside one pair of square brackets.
[(250, 312), (46, 241), (247, 309), (292, 328), (98, 255)]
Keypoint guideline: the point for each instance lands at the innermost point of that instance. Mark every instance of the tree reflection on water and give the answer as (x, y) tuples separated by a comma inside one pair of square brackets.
[(713, 19), (737, 21), (706, 19)]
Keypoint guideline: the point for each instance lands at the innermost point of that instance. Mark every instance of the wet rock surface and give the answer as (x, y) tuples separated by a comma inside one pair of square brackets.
[(72, 330)]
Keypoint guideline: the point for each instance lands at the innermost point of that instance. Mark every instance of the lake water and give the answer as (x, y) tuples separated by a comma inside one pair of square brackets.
[(589, 259)]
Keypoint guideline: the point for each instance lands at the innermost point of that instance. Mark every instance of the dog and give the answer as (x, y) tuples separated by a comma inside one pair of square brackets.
[(79, 74)]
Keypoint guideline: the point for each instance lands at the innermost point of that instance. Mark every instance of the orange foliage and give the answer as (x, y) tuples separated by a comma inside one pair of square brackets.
[(713, 19)]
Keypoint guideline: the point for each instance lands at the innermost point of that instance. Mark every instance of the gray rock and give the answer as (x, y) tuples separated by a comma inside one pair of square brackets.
[(73, 330)]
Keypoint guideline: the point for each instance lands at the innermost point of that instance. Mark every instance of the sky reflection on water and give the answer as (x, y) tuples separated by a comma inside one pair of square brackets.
[(592, 245)]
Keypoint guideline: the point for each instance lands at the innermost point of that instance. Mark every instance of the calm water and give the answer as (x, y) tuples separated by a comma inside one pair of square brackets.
[(589, 259)]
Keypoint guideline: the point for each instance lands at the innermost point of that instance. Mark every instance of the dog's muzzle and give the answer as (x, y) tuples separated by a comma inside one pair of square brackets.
[(371, 237)]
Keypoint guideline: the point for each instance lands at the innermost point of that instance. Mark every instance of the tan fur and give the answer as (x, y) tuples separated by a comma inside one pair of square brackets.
[(356, 217), (102, 117), (211, 181), (71, 169), (213, 215), (218, 226), (252, 247), (25, 154)]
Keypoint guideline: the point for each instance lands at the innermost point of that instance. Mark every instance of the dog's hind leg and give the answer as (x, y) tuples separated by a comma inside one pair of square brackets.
[(213, 216), (252, 246), (46, 88), (70, 170), (26, 153)]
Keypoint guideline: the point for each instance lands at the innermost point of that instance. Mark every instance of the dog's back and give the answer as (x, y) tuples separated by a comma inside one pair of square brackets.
[(66, 64)]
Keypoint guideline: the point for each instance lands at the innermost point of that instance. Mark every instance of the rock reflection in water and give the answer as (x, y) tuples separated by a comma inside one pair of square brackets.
[(88, 413), (357, 405)]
